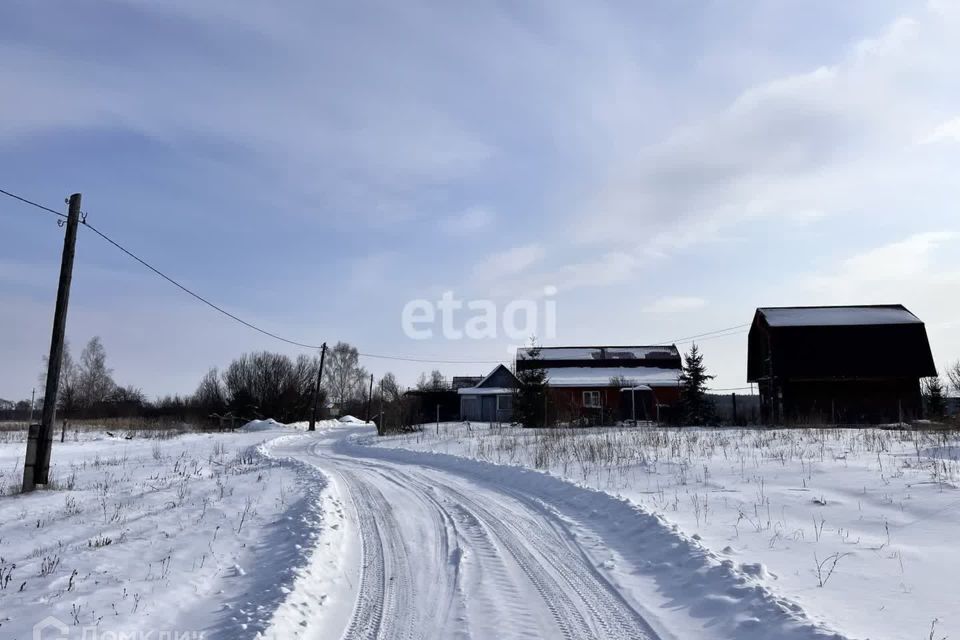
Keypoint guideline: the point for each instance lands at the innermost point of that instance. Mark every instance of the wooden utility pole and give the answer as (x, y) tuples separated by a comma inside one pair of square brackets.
[(369, 397), (36, 467), (316, 389), (33, 403)]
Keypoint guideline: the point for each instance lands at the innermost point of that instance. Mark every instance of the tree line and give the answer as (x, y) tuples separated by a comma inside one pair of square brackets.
[(260, 384)]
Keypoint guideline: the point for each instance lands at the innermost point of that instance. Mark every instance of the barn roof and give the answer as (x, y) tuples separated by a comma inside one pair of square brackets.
[(847, 316), (878, 341)]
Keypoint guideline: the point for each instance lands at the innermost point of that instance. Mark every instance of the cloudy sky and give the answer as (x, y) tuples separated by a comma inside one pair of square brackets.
[(314, 166)]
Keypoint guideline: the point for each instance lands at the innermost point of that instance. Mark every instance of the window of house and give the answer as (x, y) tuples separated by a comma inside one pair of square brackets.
[(591, 399), (504, 403)]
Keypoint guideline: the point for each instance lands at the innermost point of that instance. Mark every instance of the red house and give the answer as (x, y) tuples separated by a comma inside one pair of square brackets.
[(601, 385)]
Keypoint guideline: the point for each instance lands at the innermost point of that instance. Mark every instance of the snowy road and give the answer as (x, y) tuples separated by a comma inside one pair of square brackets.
[(445, 556)]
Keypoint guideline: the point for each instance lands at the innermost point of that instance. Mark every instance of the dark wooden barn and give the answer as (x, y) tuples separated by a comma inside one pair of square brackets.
[(839, 365)]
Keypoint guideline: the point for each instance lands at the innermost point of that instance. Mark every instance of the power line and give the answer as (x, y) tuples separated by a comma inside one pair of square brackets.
[(431, 361), (708, 333), (722, 335), (706, 336), (196, 295), (226, 313), (32, 203), (255, 327)]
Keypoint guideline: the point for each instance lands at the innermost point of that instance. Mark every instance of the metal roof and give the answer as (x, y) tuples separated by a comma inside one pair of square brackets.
[(847, 316)]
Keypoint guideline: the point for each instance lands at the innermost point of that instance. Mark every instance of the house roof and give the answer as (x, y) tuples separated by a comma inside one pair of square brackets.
[(601, 376), (601, 352), (845, 316), (496, 370), (485, 391), (461, 382)]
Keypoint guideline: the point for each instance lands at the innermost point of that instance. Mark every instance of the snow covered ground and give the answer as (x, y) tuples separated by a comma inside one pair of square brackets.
[(475, 532), (868, 514), (201, 532)]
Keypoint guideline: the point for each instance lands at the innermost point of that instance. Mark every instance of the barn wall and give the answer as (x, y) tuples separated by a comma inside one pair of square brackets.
[(865, 401)]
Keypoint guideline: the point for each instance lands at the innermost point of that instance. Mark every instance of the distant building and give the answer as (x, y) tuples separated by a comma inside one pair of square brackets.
[(491, 398), (601, 385), (431, 405), (462, 382), (840, 365)]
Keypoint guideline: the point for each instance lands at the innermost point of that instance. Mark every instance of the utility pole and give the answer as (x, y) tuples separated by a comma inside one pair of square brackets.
[(36, 466), (33, 403), (369, 397), (316, 389)]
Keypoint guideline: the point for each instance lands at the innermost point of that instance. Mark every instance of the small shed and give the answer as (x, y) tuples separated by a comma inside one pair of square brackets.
[(839, 364), (491, 400), (430, 405)]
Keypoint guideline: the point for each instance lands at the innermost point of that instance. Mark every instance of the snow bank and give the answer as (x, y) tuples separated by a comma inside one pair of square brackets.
[(261, 425)]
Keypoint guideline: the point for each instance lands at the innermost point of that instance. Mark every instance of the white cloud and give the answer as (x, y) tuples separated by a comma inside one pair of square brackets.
[(948, 131), (675, 304), (886, 268), (508, 263), (371, 271), (468, 221), (830, 141), (921, 272)]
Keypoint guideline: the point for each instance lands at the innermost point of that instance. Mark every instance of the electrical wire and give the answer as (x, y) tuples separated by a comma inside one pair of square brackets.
[(708, 333), (431, 361), (706, 336), (196, 295), (32, 203)]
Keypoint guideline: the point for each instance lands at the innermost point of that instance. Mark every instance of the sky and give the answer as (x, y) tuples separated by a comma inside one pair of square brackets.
[(654, 170)]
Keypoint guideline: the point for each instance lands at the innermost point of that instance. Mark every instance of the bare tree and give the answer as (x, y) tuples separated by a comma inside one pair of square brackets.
[(434, 382), (67, 400), (94, 379), (953, 375), (264, 384), (933, 396), (396, 406), (343, 374), (211, 396)]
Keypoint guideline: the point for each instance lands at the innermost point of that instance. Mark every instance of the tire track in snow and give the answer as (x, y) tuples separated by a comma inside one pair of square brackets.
[(580, 603), (601, 613)]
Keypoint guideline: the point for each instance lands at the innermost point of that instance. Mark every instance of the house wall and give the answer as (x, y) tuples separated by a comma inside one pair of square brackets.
[(566, 403), (486, 408)]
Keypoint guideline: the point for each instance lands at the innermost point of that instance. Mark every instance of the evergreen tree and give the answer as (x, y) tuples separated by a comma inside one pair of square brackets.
[(529, 400), (696, 406), (934, 396)]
